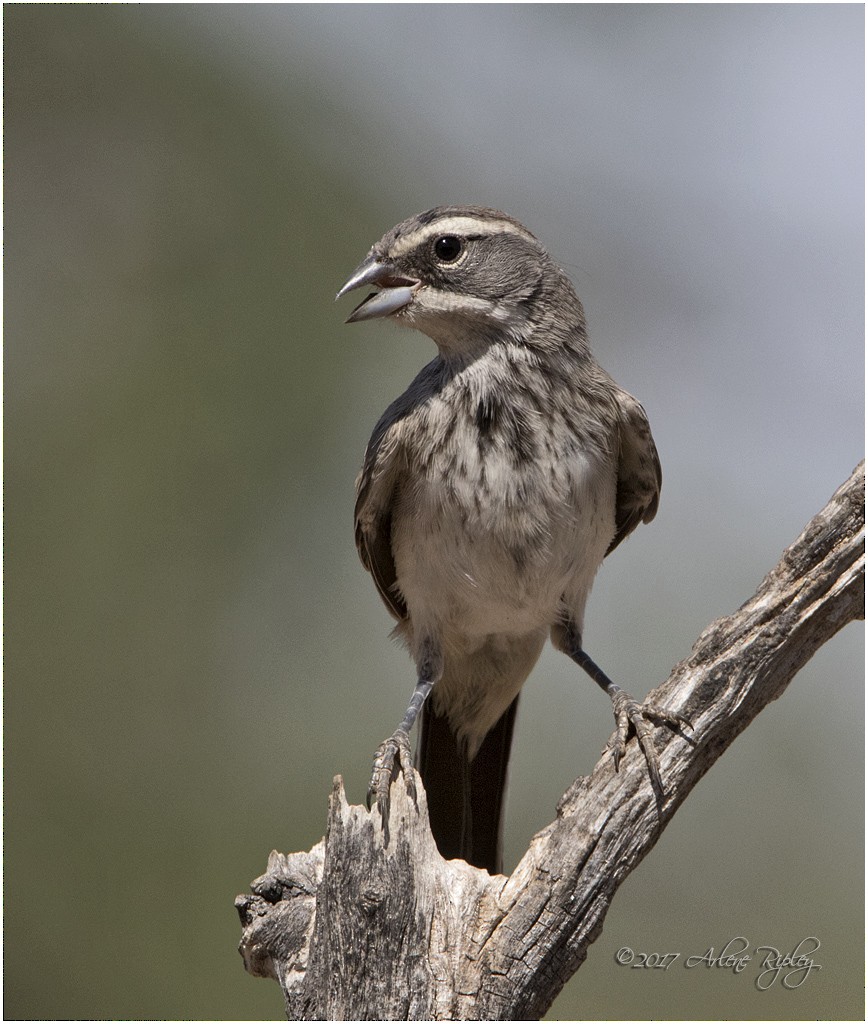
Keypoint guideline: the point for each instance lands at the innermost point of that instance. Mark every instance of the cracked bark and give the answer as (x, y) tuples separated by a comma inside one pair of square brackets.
[(357, 930)]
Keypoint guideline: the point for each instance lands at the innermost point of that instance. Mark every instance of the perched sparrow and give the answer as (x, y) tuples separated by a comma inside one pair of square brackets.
[(491, 492)]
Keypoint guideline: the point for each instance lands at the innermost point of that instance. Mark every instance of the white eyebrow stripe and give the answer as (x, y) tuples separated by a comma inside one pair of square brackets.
[(461, 225)]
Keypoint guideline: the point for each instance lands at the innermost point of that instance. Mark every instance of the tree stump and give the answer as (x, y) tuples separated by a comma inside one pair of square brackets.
[(374, 925)]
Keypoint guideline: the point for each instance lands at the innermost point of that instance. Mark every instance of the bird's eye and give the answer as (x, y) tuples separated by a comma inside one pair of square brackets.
[(448, 248)]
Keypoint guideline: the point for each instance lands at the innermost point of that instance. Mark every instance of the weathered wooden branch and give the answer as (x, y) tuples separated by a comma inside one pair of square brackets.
[(357, 930)]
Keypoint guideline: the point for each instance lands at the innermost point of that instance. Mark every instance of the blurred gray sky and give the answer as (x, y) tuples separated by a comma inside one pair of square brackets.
[(698, 169), (193, 650)]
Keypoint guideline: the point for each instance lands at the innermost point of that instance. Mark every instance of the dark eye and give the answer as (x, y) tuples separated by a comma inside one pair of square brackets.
[(448, 248)]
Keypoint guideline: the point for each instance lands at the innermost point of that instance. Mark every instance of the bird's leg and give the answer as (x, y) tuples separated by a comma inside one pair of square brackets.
[(394, 754), (629, 713)]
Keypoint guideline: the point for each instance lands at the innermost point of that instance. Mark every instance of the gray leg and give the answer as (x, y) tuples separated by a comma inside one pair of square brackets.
[(629, 713), (394, 754)]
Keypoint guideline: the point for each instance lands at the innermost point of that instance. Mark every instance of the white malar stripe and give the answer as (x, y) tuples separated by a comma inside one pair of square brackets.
[(457, 226), (434, 301)]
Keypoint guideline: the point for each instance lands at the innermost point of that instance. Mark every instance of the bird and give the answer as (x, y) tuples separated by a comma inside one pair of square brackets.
[(491, 491)]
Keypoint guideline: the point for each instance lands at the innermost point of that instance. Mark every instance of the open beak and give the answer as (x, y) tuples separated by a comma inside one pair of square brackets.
[(394, 291)]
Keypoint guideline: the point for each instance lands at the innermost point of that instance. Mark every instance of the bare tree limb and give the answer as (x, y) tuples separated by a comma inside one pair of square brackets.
[(355, 929)]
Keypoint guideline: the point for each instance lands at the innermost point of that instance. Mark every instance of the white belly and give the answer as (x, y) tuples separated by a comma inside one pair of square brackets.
[(505, 556)]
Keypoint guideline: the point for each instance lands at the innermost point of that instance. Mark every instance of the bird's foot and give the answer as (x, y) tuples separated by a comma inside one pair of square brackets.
[(630, 715), (393, 757)]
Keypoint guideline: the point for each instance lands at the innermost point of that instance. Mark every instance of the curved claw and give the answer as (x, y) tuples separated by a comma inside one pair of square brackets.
[(630, 715), (393, 757)]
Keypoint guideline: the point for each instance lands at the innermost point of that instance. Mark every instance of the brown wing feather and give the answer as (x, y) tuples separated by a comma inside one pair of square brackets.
[(375, 493), (639, 474), (379, 482), (375, 550)]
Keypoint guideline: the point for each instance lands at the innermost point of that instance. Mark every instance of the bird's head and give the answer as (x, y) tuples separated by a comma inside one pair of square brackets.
[(467, 276)]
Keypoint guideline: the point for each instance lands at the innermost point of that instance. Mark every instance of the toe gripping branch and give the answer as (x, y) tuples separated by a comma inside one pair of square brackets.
[(630, 715), (394, 756)]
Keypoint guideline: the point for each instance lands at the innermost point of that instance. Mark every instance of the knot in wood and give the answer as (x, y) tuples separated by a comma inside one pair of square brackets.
[(371, 898)]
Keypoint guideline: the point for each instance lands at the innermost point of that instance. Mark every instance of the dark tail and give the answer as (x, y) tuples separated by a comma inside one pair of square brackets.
[(466, 798)]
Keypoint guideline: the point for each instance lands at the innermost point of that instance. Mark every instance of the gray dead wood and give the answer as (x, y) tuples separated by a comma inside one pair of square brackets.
[(361, 929)]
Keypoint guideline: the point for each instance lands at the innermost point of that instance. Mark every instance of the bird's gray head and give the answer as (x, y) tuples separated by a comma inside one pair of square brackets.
[(467, 276)]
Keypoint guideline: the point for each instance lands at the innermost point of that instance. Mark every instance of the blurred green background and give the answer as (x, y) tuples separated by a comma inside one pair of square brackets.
[(193, 650)]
